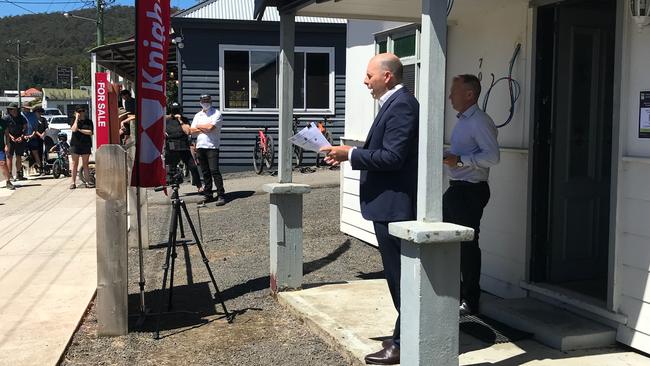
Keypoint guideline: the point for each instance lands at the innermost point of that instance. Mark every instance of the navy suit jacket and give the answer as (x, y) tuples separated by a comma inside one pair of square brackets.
[(389, 161)]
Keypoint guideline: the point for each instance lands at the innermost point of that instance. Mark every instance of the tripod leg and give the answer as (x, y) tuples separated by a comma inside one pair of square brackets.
[(173, 260), (207, 262), (180, 224), (171, 242)]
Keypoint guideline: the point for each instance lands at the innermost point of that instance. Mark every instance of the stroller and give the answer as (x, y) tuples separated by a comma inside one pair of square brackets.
[(61, 164)]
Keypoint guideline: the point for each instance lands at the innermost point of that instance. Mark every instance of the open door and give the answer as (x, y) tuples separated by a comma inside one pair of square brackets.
[(573, 142)]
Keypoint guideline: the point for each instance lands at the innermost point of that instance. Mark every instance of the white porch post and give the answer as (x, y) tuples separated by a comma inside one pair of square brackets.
[(430, 280), (285, 226)]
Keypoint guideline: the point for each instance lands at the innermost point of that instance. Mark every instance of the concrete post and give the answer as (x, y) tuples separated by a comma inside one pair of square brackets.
[(285, 93), (112, 251), (430, 286), (285, 235)]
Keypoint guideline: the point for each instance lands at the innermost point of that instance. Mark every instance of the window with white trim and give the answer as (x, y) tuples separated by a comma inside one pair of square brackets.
[(404, 43), (249, 78)]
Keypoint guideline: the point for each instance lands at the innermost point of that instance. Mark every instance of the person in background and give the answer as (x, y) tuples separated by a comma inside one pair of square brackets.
[(4, 150), (39, 134), (177, 144), (127, 101), (34, 143), (473, 150), (206, 126), (80, 145), (17, 127)]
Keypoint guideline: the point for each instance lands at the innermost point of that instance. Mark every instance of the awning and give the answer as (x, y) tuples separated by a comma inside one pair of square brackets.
[(119, 57), (395, 10)]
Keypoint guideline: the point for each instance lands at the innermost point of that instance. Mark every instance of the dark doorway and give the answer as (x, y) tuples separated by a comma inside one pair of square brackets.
[(572, 145)]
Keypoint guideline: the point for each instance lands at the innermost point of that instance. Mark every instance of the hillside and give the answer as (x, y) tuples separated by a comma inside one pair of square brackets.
[(55, 40)]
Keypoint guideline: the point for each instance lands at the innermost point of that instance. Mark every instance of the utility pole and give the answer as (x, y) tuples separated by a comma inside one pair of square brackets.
[(100, 22), (20, 99), (71, 82)]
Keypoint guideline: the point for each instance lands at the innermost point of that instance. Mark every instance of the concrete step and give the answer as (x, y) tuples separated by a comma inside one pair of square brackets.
[(553, 326)]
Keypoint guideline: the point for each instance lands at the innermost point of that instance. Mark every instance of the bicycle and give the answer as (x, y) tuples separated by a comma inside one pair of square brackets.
[(297, 151), (263, 151)]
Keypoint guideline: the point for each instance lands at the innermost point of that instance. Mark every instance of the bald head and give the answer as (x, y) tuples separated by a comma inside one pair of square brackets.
[(391, 63), (384, 72)]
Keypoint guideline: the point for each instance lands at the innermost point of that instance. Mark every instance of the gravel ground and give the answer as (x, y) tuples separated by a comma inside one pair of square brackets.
[(236, 243)]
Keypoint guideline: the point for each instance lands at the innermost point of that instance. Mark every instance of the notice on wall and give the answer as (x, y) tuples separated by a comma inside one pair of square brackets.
[(644, 115)]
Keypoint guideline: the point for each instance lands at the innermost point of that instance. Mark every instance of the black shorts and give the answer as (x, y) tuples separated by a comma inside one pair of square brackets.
[(80, 150), (35, 144), (17, 148)]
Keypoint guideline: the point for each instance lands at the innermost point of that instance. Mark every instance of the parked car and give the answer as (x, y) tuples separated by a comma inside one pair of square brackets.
[(51, 112), (57, 124)]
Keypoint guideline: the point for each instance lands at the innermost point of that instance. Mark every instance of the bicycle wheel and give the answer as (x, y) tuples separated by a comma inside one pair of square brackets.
[(270, 152), (56, 169), (80, 174), (258, 157), (296, 157)]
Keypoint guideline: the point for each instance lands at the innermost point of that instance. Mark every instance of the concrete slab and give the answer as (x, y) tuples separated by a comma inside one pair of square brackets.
[(551, 325), (353, 317), (47, 269)]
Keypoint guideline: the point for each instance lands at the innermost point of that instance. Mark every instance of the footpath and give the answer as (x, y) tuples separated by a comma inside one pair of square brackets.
[(48, 269)]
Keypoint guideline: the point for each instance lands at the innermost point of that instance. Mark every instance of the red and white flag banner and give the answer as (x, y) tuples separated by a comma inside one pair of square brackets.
[(152, 45), (101, 108)]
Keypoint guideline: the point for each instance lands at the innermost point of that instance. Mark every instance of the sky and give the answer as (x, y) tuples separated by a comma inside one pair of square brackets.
[(21, 7)]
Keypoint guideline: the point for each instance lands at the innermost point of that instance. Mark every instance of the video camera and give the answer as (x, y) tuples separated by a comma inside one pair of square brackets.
[(175, 176)]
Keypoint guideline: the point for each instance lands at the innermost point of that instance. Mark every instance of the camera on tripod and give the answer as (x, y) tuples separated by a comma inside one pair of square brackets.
[(175, 176)]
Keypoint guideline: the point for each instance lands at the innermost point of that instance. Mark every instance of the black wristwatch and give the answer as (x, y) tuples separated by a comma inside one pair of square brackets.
[(459, 163)]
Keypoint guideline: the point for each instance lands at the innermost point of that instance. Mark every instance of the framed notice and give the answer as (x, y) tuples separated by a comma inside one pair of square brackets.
[(644, 115)]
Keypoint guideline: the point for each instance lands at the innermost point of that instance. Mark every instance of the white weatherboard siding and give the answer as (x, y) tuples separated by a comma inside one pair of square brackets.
[(633, 251), (632, 269)]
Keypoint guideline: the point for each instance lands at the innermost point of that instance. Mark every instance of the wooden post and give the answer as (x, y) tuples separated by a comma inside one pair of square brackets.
[(285, 93), (112, 251)]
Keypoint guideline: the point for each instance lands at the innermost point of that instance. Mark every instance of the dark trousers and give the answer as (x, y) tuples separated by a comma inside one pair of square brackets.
[(173, 157), (390, 248), (463, 204), (209, 161)]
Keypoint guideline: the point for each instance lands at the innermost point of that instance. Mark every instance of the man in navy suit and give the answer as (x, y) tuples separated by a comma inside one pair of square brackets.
[(388, 163)]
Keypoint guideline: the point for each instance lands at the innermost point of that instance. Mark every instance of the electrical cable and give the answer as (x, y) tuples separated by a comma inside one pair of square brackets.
[(22, 7), (513, 88), (450, 5), (41, 2)]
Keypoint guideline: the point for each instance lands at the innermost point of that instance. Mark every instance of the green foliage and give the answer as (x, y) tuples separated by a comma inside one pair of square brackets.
[(56, 40)]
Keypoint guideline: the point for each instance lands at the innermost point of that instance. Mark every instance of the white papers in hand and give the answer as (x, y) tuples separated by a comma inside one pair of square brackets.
[(310, 138)]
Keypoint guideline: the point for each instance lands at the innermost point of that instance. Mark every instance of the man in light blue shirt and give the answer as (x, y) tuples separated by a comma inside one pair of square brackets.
[(474, 149)]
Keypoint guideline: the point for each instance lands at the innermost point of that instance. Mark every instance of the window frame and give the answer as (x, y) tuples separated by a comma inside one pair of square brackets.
[(302, 111), (389, 37)]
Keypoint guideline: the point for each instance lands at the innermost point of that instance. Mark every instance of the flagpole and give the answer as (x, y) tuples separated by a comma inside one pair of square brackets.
[(138, 213)]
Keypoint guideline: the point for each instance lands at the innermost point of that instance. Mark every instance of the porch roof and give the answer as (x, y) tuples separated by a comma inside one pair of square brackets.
[(395, 10)]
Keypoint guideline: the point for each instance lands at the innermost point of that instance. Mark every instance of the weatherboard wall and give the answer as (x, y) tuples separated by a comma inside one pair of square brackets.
[(199, 74)]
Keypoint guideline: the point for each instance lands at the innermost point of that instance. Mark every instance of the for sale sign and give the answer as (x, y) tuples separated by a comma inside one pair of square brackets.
[(101, 108), (152, 44)]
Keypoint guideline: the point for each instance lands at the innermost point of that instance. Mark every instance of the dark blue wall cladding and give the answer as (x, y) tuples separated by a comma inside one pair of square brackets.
[(199, 74)]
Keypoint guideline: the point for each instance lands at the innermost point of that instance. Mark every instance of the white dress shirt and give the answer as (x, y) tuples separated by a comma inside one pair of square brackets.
[(211, 139)]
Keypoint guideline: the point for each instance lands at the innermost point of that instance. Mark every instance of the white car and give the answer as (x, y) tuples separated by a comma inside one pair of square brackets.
[(58, 124), (52, 112)]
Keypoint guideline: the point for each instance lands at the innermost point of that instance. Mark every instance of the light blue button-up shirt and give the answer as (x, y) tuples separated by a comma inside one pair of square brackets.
[(474, 139)]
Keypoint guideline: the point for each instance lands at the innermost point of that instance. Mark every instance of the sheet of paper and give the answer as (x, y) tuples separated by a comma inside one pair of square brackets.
[(310, 138)]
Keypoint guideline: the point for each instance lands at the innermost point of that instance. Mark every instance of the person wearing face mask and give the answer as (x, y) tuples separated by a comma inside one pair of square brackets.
[(206, 126)]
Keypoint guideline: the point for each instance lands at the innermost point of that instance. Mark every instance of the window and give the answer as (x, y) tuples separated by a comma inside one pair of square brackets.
[(250, 79), (403, 42)]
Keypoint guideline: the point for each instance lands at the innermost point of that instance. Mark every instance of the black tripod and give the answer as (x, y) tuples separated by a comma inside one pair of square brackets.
[(176, 220)]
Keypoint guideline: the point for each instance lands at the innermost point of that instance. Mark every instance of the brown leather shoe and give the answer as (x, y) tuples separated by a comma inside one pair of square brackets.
[(387, 356)]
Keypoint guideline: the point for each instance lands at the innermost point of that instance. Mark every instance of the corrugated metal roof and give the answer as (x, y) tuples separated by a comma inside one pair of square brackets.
[(242, 10), (64, 94)]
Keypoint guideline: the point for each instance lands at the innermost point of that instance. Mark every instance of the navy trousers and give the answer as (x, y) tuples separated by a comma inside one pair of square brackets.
[(389, 248)]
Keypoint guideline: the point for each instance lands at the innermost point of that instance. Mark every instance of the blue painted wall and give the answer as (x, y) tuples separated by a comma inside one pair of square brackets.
[(199, 74)]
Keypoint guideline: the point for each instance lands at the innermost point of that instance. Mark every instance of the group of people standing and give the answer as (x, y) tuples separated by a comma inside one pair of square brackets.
[(199, 140), (25, 131), (388, 162)]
